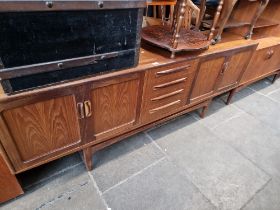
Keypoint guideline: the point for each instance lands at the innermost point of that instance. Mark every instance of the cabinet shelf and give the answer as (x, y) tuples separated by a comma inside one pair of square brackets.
[(263, 23), (232, 23)]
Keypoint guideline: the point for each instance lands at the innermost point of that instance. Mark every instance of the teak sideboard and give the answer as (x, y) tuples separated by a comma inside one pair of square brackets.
[(41, 125)]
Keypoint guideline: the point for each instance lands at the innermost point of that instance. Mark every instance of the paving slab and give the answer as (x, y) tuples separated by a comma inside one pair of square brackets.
[(163, 186), (259, 106), (275, 95), (121, 160), (221, 173), (218, 113), (58, 187), (255, 140), (85, 198), (267, 199), (265, 86)]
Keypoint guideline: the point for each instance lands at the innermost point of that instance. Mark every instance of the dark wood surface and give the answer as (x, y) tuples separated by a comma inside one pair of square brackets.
[(161, 36)]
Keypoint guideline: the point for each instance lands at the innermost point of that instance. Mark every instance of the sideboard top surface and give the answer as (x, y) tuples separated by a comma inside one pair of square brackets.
[(150, 57)]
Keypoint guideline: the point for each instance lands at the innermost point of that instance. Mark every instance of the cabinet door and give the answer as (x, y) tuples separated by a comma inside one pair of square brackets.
[(263, 62), (233, 69), (36, 129), (112, 107), (207, 75)]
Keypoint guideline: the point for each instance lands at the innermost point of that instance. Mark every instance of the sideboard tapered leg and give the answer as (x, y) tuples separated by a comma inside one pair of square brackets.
[(87, 154), (275, 78), (230, 96)]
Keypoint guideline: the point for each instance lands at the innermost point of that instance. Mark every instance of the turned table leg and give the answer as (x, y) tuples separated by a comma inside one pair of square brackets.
[(215, 21), (87, 155), (262, 6), (226, 13)]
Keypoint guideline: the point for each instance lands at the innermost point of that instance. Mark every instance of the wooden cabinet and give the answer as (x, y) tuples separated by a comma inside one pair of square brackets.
[(264, 62), (37, 128), (220, 72), (112, 107), (233, 70), (10, 187), (205, 81), (166, 90)]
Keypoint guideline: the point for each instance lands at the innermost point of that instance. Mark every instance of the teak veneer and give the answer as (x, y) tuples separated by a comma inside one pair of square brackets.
[(89, 114)]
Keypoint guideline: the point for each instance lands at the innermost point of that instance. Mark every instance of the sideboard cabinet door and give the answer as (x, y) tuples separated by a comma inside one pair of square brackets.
[(264, 62), (34, 130), (111, 107), (206, 77), (234, 68), (220, 72)]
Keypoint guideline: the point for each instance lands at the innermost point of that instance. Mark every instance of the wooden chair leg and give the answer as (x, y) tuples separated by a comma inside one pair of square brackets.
[(215, 21), (87, 154), (262, 6), (230, 96), (227, 10)]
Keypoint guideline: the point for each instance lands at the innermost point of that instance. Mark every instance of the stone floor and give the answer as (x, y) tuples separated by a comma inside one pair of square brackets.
[(229, 160)]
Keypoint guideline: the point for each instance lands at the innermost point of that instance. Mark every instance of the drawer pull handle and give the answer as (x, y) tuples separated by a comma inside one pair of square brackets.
[(81, 112), (225, 67), (269, 54), (165, 106), (171, 71), (167, 95), (88, 110), (170, 83)]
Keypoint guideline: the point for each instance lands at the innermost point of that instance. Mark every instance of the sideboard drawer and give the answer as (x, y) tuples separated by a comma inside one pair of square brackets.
[(263, 62), (166, 90)]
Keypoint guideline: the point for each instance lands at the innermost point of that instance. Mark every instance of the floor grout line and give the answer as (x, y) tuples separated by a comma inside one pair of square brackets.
[(134, 175), (154, 143), (257, 192), (185, 172), (274, 91), (266, 96), (228, 120), (98, 190)]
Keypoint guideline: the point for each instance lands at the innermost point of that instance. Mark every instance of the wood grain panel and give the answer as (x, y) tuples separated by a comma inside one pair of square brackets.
[(10, 187), (208, 72), (114, 109), (42, 128), (262, 63), (165, 94), (237, 65)]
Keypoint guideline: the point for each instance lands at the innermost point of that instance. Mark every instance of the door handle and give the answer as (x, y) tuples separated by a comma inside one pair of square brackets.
[(81, 112), (269, 54), (224, 68), (88, 109)]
